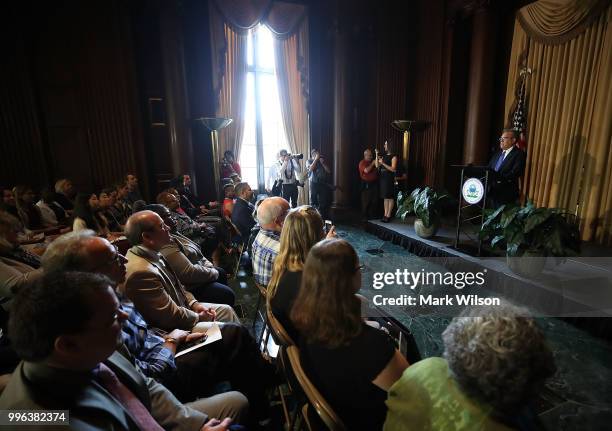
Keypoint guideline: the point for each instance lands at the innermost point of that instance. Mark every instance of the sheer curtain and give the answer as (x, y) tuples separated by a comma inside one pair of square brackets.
[(230, 22), (291, 58), (568, 46)]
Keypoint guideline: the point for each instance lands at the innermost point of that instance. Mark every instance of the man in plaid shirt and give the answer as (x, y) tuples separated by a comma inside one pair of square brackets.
[(271, 216)]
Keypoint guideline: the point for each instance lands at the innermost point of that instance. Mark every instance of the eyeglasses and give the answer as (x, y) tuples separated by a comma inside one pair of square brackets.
[(114, 318), (504, 138), (116, 259)]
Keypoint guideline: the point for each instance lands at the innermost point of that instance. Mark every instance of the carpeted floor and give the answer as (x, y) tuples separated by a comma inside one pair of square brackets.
[(578, 397)]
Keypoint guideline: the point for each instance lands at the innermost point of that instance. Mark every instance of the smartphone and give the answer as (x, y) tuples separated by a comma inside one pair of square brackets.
[(328, 226)]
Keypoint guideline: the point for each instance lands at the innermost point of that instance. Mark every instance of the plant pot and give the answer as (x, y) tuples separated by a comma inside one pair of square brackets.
[(424, 232), (528, 265)]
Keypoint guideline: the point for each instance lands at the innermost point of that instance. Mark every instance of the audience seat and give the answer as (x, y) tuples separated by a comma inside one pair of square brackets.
[(280, 335), (324, 411)]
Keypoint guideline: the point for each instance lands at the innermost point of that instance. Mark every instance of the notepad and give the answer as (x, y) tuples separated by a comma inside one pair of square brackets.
[(213, 333)]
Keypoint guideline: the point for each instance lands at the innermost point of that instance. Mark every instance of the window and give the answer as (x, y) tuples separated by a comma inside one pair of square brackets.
[(264, 134)]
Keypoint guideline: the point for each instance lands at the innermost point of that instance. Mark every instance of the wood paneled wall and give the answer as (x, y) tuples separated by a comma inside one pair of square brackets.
[(72, 108), (77, 77)]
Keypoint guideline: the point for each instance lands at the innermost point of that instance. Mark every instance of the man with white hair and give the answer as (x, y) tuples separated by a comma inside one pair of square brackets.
[(271, 216)]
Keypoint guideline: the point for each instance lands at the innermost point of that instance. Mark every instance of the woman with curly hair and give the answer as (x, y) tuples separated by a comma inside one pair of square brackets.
[(303, 228), (352, 364), (495, 361)]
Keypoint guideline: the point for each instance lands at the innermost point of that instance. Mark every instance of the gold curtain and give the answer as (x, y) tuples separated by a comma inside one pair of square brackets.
[(291, 60), (569, 133), (230, 22), (229, 80)]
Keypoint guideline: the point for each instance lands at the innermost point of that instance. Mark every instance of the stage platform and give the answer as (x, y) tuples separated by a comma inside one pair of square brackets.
[(579, 287)]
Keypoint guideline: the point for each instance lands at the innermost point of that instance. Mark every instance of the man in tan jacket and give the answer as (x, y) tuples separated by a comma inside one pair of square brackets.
[(153, 286)]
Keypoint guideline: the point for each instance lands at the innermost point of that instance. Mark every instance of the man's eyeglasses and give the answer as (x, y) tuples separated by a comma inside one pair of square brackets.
[(116, 259), (504, 138)]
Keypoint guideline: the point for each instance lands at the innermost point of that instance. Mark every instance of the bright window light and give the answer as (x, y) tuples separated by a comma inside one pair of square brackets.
[(258, 153)]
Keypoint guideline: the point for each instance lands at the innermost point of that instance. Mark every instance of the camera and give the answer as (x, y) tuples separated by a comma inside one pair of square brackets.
[(298, 156)]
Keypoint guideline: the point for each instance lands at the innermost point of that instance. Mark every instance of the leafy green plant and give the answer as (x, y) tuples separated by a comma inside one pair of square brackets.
[(531, 230), (425, 203)]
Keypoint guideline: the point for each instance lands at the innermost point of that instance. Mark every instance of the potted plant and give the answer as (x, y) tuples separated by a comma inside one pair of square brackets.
[(426, 205), (530, 235)]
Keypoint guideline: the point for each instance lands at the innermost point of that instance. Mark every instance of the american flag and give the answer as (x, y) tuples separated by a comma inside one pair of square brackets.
[(519, 117)]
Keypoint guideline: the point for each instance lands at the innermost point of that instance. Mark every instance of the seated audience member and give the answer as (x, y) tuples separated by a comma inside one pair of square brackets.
[(137, 207), (64, 193), (235, 178), (235, 358), (155, 288), (52, 213), (201, 233), (302, 229), (133, 194), (120, 209), (271, 215), (242, 213), (352, 364), (106, 202), (228, 201), (66, 328), (29, 213), (87, 215), (189, 202), (495, 361), (18, 267), (207, 283), (8, 202)]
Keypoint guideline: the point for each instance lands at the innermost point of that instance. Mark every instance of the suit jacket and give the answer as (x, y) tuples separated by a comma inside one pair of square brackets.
[(242, 217), (14, 275), (35, 386), (504, 187), (186, 259), (157, 292)]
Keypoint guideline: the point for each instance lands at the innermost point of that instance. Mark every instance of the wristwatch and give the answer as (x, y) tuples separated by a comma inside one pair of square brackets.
[(170, 340)]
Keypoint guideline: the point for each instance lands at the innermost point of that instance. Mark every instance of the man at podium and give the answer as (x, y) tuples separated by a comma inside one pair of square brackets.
[(506, 167)]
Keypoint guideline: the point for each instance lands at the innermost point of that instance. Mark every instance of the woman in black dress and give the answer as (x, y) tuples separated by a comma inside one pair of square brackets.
[(352, 364), (387, 165)]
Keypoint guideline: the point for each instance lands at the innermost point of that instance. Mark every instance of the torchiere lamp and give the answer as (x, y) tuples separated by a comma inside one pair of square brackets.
[(214, 125), (407, 126)]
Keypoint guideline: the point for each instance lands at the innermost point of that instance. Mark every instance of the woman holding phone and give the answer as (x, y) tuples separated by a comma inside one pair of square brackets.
[(387, 165)]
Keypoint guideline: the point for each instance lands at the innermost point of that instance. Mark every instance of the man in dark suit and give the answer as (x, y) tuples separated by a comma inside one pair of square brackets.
[(506, 167), (66, 328), (242, 214)]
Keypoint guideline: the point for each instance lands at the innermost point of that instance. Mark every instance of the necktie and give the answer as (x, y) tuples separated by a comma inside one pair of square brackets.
[(130, 402), (500, 161)]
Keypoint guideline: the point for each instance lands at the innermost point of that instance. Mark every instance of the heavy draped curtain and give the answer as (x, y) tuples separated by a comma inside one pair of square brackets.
[(567, 44), (230, 22)]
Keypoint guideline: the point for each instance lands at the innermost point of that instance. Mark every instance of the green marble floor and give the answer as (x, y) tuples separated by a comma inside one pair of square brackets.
[(578, 397)]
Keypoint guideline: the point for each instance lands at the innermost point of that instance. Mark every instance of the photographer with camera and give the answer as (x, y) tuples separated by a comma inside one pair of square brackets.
[(320, 188), (229, 165), (288, 174)]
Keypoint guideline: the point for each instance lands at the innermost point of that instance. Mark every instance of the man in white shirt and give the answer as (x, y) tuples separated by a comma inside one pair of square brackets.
[(289, 173)]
